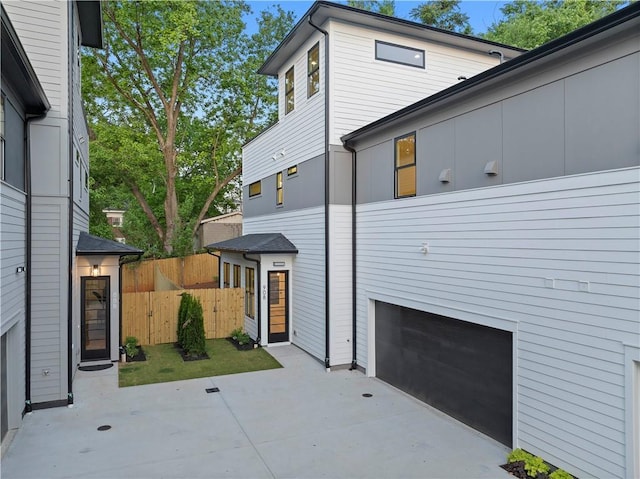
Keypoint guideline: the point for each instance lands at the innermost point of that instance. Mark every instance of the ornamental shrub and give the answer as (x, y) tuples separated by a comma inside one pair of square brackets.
[(519, 455), (560, 474), (185, 304), (192, 334), (535, 466)]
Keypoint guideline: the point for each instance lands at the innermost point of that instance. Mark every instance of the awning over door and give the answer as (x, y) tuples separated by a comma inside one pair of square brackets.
[(259, 243), (94, 245)]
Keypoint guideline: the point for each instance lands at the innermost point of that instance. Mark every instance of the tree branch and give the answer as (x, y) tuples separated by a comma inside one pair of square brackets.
[(213, 195), (147, 210)]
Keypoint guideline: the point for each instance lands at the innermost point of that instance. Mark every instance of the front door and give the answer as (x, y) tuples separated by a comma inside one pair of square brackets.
[(278, 306), (95, 318)]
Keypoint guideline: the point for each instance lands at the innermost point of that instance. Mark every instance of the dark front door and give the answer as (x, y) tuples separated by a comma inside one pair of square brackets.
[(95, 318), (278, 306), (461, 368)]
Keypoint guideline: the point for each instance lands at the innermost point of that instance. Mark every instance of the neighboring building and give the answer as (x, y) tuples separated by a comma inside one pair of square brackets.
[(49, 323), (219, 228), (115, 218), (495, 231), (297, 175)]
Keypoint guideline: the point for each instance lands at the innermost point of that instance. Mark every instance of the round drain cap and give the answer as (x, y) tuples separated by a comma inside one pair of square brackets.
[(367, 395), (106, 427)]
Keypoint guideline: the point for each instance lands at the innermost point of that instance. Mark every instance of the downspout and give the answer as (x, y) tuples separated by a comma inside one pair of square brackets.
[(258, 312), (27, 325), (71, 33), (354, 281), (219, 266), (327, 172)]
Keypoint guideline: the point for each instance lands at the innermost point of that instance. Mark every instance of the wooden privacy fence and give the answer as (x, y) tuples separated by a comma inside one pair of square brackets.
[(196, 271), (152, 316)]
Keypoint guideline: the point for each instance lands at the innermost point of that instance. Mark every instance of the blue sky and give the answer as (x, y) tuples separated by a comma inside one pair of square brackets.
[(482, 13)]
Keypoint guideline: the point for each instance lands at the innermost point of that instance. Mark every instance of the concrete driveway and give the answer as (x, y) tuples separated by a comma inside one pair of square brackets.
[(295, 422)]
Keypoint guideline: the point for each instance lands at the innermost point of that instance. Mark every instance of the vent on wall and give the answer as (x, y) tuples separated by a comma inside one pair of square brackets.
[(445, 175), (491, 168)]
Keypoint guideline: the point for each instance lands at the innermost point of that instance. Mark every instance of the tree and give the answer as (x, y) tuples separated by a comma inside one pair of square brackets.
[(171, 99), (529, 24), (384, 7), (445, 14)]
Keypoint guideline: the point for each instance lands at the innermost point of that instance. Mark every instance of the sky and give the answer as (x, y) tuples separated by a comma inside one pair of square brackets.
[(482, 13)]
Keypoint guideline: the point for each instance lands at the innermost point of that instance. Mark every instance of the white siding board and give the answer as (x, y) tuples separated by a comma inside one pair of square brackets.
[(305, 229), (491, 250)]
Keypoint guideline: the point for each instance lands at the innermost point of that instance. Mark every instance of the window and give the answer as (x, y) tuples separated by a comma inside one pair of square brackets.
[(255, 189), (313, 70), (1, 137), (292, 170), (226, 275), (236, 275), (250, 293), (388, 52), (279, 192), (289, 96), (405, 166)]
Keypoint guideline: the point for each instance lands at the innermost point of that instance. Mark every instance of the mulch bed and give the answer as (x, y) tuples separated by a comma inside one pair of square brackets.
[(190, 357), (140, 356), (242, 347), (517, 469)]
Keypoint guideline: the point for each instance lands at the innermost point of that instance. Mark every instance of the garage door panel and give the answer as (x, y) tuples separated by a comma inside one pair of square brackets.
[(461, 368)]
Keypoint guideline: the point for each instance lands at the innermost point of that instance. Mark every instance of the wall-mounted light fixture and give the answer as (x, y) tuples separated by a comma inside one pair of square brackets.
[(95, 270), (20, 269), (491, 168)]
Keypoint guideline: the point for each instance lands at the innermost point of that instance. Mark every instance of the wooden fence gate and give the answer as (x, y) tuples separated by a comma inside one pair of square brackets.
[(152, 316)]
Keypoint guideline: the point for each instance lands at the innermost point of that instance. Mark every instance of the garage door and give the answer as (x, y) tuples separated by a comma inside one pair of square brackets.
[(460, 368)]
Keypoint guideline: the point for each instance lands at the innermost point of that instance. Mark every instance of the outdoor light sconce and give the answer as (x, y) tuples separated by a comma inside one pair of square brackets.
[(95, 270), (491, 168), (20, 269)]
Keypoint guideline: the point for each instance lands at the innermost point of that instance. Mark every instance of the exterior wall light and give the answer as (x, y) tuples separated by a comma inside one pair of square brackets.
[(95, 270)]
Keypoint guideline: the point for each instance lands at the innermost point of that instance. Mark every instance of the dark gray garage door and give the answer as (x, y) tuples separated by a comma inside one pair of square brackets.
[(461, 368)]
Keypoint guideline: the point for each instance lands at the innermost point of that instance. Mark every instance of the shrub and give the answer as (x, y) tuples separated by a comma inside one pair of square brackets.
[(560, 474), (519, 455), (191, 326), (240, 336), (535, 465), (130, 344)]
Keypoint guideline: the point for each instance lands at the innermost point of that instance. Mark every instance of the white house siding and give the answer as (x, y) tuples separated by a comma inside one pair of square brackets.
[(340, 297), (42, 28), (300, 134), (364, 89), (81, 223), (13, 296), (305, 229), (559, 257), (49, 299)]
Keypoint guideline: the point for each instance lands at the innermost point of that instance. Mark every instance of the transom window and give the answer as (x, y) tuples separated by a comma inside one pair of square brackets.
[(250, 292), (389, 52), (289, 95), (255, 188), (313, 70), (279, 190), (405, 166)]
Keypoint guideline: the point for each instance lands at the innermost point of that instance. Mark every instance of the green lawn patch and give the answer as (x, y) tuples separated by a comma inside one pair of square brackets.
[(164, 364)]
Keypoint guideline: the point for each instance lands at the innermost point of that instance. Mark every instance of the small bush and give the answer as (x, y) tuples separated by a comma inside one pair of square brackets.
[(535, 465), (130, 344), (191, 326), (560, 474), (240, 336), (519, 455)]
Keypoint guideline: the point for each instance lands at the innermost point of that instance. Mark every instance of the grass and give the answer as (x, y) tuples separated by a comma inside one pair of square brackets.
[(165, 364)]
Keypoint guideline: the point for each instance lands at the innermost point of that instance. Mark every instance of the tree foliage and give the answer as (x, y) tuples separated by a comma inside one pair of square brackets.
[(529, 24), (445, 14), (384, 7), (170, 101)]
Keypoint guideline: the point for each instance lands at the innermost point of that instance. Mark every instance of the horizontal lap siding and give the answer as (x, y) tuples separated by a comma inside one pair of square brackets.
[(305, 229), (365, 89), (494, 253), (341, 313), (12, 255)]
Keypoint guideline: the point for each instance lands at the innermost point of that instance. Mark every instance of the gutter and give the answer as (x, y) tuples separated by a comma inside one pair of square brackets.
[(327, 172), (259, 310), (354, 280)]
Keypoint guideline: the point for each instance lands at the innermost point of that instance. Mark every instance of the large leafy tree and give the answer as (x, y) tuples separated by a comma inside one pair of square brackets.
[(385, 7), (529, 24), (170, 100), (445, 14)]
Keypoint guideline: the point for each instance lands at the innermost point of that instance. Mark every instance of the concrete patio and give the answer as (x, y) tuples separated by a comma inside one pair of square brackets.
[(294, 422)]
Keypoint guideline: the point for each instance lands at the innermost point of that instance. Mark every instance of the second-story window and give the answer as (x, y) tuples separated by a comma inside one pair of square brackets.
[(390, 52), (405, 166), (292, 170), (255, 188), (313, 70), (289, 93), (279, 192)]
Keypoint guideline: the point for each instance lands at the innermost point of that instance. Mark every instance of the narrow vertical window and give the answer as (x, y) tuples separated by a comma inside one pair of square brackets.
[(405, 166), (289, 93), (279, 192), (1, 137), (226, 275), (313, 70), (250, 293), (236, 275)]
